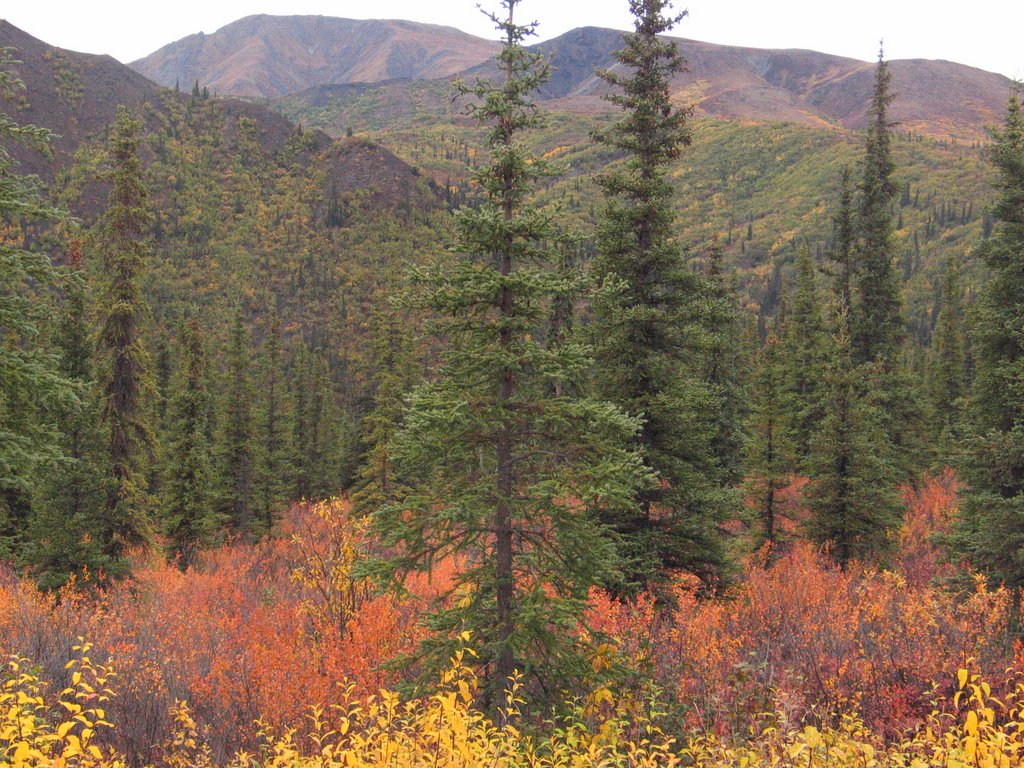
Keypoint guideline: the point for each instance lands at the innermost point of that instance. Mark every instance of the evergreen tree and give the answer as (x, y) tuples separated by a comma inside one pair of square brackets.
[(876, 323), (187, 514), (990, 532), (272, 458), (803, 337), (646, 325), (396, 364), (722, 368), (31, 386), (769, 450), (61, 543), (123, 371), (947, 381), (842, 252), (854, 509), (234, 452), (299, 386), (504, 476)]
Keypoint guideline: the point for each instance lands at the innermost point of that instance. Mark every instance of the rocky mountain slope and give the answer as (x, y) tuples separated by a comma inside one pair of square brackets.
[(270, 56), (341, 74)]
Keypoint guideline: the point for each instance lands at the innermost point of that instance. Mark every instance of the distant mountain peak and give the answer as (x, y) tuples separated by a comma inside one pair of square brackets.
[(270, 56)]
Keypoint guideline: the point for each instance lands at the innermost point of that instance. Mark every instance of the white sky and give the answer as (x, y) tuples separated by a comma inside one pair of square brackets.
[(985, 33)]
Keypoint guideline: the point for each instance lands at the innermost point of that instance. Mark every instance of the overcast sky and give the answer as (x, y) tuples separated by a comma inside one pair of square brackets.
[(985, 33)]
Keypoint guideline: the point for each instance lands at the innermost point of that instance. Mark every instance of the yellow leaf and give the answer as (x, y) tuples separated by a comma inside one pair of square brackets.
[(961, 678), (971, 724)]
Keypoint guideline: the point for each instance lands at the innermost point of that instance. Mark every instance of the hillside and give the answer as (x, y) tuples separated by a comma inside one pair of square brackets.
[(341, 74), (270, 56)]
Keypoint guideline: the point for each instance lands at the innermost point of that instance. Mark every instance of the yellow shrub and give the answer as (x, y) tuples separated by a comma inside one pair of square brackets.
[(973, 729), (35, 731)]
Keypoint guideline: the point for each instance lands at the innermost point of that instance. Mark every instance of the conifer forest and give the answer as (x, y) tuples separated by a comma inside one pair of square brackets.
[(473, 420)]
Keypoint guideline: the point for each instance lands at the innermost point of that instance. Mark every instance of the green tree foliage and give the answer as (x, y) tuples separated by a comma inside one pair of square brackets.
[(235, 444), (876, 322), (187, 511), (854, 508), (70, 497), (319, 449), (724, 368), (646, 326), (769, 451), (504, 476), (991, 533), (123, 368), (31, 384), (947, 380), (398, 370), (845, 242), (272, 457), (803, 348)]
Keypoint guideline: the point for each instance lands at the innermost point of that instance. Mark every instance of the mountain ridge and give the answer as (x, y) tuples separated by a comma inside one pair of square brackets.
[(267, 56), (284, 57)]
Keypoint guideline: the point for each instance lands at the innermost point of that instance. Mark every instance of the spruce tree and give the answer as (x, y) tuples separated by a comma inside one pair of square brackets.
[(876, 322), (723, 367), (397, 371), (646, 325), (234, 452), (300, 428), (272, 457), (875, 315), (854, 508), (990, 533), (62, 544), (803, 347), (123, 371), (946, 366), (186, 511), (505, 477), (769, 451), (31, 385)]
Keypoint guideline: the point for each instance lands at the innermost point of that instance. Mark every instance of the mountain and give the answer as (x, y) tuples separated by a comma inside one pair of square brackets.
[(341, 74), (76, 96), (933, 98), (270, 56)]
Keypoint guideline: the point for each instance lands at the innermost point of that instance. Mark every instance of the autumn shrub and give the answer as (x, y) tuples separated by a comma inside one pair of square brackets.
[(810, 642), (250, 632), (262, 632), (968, 727), (38, 730)]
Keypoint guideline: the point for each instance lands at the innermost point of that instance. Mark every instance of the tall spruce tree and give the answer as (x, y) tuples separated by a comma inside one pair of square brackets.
[(990, 533), (272, 457), (504, 476), (234, 451), (31, 385), (854, 508), (769, 451), (646, 326), (187, 510), (947, 380), (397, 372), (875, 314), (62, 544), (123, 369), (877, 328), (723, 367), (803, 347)]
